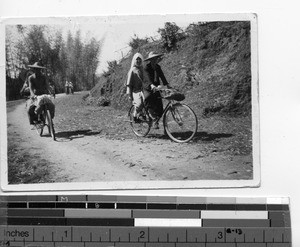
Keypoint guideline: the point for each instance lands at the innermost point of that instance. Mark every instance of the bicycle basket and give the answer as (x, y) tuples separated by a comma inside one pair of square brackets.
[(172, 94)]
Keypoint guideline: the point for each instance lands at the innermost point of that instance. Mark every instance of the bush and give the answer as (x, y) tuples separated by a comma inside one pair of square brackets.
[(171, 34), (136, 42), (201, 29), (112, 65)]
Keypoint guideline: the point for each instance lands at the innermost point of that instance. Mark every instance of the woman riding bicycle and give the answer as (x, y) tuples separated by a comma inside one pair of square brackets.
[(155, 75)]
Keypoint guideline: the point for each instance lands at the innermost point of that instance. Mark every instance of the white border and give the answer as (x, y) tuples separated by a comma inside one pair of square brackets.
[(255, 182)]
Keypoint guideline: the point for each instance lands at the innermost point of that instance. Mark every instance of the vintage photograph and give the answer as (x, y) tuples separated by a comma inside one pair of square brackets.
[(130, 102)]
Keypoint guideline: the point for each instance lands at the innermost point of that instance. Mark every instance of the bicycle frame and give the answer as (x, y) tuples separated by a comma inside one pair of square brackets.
[(169, 104)]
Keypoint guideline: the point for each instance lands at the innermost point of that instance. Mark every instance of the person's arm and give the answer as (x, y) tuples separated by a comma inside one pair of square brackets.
[(150, 78), (30, 84), (129, 85), (162, 76)]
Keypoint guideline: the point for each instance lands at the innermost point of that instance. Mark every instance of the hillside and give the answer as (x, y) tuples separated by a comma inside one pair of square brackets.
[(211, 64)]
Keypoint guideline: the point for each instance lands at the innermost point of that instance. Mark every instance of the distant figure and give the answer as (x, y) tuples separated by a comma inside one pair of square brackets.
[(155, 75), (38, 85), (135, 84), (67, 87), (52, 89), (71, 87)]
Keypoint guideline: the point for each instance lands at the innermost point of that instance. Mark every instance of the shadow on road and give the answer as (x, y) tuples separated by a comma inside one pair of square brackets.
[(199, 136), (70, 135), (204, 136)]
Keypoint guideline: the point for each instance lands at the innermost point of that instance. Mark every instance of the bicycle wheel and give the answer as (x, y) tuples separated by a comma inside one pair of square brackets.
[(50, 124), (39, 129), (180, 123), (40, 126), (141, 127)]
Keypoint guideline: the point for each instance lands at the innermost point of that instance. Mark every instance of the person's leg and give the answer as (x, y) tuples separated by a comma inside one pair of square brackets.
[(30, 112), (156, 108), (137, 102), (150, 104)]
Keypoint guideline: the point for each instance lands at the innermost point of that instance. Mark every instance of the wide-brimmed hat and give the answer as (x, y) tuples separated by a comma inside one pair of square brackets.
[(36, 66), (153, 55)]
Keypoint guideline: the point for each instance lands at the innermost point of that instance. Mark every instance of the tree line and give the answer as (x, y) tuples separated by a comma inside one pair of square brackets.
[(66, 58)]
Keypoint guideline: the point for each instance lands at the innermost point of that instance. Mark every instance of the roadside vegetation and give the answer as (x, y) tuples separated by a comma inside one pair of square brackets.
[(209, 62)]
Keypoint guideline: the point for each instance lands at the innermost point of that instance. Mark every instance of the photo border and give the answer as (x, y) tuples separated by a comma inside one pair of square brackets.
[(136, 185)]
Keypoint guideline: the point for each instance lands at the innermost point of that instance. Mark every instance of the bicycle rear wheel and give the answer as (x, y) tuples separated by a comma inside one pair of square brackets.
[(180, 123), (39, 127), (50, 124), (141, 127)]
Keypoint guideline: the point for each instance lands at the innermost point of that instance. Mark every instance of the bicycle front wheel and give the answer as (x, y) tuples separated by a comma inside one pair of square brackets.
[(50, 124), (141, 127), (180, 123)]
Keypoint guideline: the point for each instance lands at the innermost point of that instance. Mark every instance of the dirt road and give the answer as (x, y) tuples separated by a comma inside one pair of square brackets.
[(91, 157)]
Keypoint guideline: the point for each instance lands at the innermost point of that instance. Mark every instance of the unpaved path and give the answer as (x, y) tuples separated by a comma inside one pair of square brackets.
[(91, 158)]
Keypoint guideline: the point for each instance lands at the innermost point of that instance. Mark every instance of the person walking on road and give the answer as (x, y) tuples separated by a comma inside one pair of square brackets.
[(67, 87)]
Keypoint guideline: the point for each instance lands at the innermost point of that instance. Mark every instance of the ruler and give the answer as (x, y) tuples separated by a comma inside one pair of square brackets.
[(143, 221)]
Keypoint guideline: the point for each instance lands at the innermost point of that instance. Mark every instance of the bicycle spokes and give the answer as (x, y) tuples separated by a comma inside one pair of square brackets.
[(180, 123), (140, 124)]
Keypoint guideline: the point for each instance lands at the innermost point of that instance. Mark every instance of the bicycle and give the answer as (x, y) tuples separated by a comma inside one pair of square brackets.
[(179, 120), (45, 120)]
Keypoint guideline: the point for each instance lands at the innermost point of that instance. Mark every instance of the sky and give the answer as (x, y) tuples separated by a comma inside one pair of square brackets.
[(118, 31)]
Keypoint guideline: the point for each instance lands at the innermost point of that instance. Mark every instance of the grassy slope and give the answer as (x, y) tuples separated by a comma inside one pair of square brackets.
[(211, 66)]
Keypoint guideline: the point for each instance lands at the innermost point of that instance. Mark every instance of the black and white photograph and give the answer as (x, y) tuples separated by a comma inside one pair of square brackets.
[(130, 102)]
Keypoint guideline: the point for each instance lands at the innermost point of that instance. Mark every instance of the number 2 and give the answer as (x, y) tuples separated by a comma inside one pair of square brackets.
[(142, 234)]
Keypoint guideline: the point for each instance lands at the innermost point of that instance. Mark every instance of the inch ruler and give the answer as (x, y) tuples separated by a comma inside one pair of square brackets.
[(143, 221)]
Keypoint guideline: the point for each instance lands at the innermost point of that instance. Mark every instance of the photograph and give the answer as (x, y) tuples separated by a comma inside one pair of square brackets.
[(129, 102)]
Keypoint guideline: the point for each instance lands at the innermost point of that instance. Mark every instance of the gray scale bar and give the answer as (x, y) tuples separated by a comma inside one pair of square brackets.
[(71, 198), (234, 223), (280, 219), (187, 214)]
